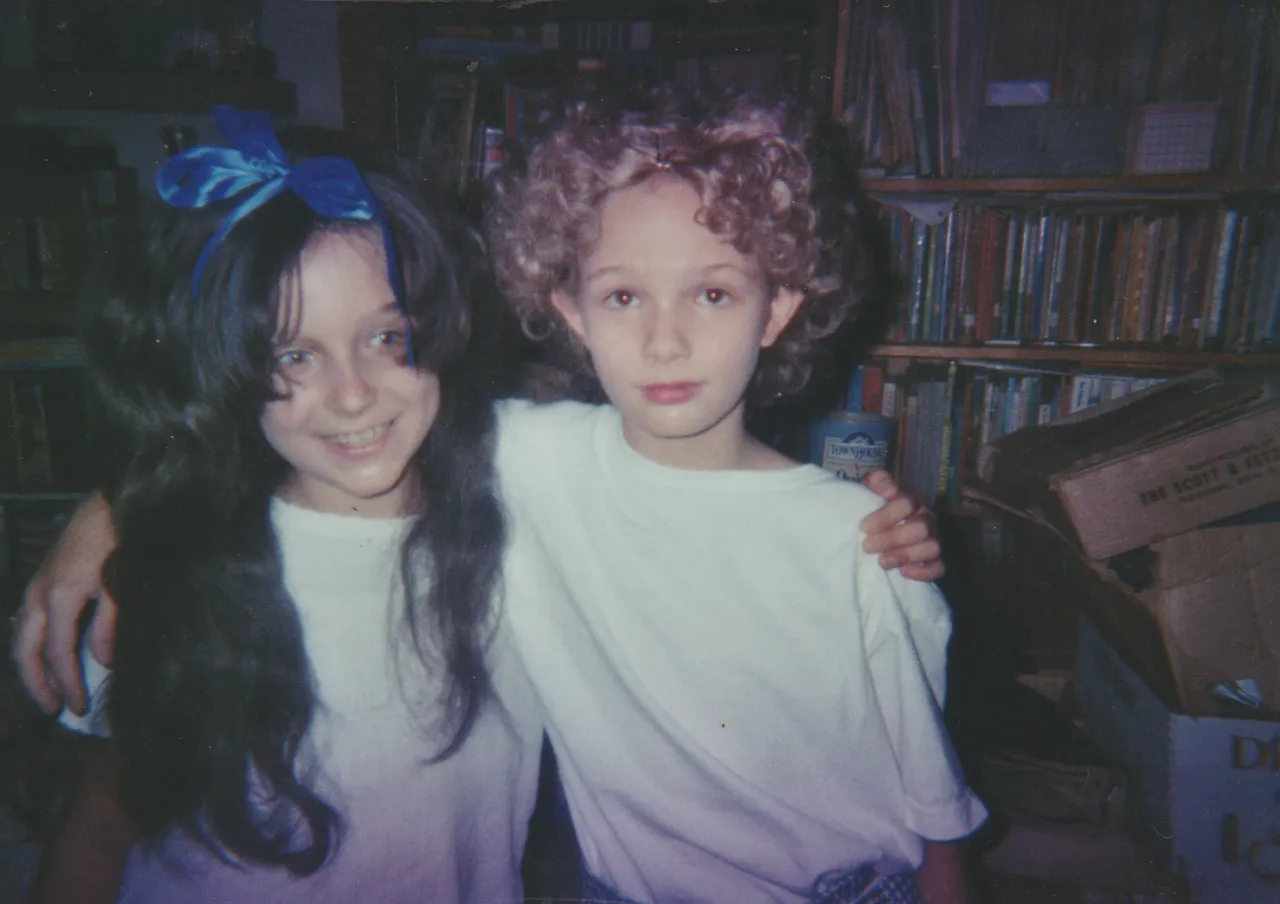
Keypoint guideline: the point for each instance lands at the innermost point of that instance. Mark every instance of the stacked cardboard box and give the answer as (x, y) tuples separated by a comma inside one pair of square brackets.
[(1178, 664)]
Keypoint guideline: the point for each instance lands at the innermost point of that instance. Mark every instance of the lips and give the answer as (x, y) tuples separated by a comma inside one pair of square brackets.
[(670, 393)]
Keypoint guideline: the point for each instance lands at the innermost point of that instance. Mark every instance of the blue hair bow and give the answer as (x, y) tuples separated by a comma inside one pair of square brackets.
[(254, 168)]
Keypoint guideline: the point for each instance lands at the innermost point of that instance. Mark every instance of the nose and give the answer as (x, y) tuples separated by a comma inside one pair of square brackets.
[(351, 390), (666, 334)]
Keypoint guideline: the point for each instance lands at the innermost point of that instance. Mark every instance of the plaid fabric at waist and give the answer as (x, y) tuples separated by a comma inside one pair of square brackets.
[(858, 886)]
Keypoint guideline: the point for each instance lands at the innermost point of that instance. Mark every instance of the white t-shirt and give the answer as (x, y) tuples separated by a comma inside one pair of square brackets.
[(449, 833), (740, 698)]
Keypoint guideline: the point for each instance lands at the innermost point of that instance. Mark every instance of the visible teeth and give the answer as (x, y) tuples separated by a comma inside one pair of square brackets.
[(363, 438)]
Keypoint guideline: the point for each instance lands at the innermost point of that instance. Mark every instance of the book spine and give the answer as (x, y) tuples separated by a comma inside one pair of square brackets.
[(1219, 281), (1051, 323), (945, 451), (1034, 308), (931, 258), (924, 160), (1023, 287), (1008, 280), (1072, 306), (942, 295), (873, 388), (919, 249)]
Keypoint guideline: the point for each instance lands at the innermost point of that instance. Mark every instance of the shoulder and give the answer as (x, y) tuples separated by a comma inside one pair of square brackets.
[(534, 437), (836, 508), (831, 501), (519, 419)]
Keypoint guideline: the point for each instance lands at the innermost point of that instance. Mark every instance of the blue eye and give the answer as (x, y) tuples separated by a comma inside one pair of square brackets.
[(623, 298), (715, 297), (389, 338)]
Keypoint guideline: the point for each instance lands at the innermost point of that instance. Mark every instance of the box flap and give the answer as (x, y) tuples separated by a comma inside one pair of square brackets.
[(1217, 602)]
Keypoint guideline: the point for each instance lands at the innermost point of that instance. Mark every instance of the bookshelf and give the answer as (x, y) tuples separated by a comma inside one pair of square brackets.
[(449, 83), (166, 92), (1100, 188), (1048, 257), (1078, 355), (56, 218), (63, 207)]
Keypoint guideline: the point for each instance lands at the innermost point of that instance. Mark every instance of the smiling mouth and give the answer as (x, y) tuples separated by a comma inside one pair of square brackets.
[(360, 438)]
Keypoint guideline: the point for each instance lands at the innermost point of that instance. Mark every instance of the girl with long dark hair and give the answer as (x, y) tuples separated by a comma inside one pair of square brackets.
[(309, 668)]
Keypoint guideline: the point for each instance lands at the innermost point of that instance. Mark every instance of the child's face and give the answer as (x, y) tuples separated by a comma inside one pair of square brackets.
[(355, 413), (674, 318)]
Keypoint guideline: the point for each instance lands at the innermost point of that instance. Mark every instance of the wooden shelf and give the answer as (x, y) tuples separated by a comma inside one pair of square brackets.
[(158, 92), (55, 351), (1179, 184), (43, 496), (56, 310), (1102, 356)]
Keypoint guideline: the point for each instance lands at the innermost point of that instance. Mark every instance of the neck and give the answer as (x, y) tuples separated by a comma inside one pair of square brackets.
[(725, 446)]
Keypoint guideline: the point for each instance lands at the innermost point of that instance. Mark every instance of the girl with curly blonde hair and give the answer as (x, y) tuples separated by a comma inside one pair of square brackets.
[(739, 714)]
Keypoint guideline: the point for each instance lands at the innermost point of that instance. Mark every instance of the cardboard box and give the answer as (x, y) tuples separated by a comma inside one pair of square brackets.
[(1135, 496), (1212, 785), (1152, 465), (1216, 604)]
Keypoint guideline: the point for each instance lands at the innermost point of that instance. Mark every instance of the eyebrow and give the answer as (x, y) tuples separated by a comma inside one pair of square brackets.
[(715, 268), (603, 271), (389, 308), (708, 270)]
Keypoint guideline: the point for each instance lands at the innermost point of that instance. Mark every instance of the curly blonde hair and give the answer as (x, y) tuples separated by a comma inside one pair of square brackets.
[(752, 161)]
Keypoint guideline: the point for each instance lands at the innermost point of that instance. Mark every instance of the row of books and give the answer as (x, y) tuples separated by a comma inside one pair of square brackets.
[(1163, 51), (491, 44), (898, 82), (1199, 277), (45, 429), (945, 415), (34, 254), (45, 246), (467, 89), (913, 75)]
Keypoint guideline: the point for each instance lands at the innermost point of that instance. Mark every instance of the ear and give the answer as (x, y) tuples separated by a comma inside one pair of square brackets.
[(782, 308), (565, 304)]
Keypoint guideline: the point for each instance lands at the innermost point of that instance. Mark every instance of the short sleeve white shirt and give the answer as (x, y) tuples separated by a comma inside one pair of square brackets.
[(740, 698)]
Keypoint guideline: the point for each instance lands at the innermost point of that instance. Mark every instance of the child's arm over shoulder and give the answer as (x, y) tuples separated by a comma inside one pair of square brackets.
[(898, 528)]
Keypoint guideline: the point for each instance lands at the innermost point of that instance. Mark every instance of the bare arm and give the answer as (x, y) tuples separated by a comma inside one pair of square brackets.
[(941, 878), (903, 532), (44, 645), (85, 862)]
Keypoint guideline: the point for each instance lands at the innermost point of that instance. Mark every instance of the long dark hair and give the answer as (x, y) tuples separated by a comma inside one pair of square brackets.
[(211, 694)]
